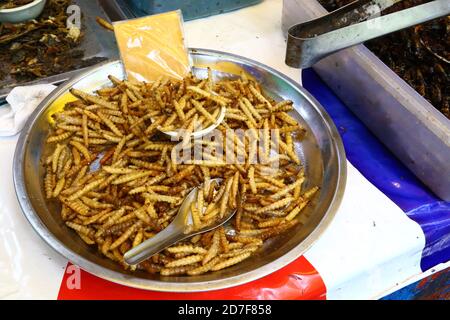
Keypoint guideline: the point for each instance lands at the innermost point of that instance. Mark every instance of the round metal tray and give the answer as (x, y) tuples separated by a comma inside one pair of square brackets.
[(321, 151)]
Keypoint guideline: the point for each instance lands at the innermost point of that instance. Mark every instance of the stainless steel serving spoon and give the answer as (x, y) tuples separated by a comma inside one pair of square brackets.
[(177, 231)]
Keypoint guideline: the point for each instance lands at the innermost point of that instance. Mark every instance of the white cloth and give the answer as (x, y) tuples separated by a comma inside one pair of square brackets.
[(22, 102)]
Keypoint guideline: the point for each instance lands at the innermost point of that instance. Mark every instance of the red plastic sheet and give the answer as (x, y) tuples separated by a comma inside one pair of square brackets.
[(298, 280)]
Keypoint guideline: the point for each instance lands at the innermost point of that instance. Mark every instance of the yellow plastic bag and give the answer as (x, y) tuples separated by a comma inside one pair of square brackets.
[(153, 46)]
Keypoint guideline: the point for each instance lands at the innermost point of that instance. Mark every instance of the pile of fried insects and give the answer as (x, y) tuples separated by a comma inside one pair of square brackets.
[(138, 185)]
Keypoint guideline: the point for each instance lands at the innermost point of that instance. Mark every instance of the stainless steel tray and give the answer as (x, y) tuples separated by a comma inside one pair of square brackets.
[(417, 133), (321, 152), (97, 42)]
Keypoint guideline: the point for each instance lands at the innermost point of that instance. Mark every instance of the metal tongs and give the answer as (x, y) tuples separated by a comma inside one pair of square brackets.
[(351, 25)]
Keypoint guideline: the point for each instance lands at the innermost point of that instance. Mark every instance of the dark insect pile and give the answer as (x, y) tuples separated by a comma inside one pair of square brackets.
[(420, 55), (42, 47)]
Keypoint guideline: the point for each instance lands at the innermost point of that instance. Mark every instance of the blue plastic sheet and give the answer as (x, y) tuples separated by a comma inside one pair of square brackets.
[(388, 174)]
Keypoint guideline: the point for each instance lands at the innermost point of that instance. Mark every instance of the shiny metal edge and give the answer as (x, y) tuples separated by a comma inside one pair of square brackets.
[(127, 280)]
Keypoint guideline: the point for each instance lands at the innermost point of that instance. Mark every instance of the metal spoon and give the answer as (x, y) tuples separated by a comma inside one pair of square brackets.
[(177, 231)]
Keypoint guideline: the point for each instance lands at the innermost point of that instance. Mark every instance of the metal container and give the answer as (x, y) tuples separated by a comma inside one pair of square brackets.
[(321, 152), (191, 9), (23, 13), (413, 130), (97, 42)]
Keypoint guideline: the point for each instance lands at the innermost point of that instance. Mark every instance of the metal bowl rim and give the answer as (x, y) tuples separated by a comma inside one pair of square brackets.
[(167, 286), (22, 8)]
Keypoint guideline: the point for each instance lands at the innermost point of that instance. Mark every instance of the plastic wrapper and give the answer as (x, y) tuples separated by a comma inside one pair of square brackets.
[(153, 46)]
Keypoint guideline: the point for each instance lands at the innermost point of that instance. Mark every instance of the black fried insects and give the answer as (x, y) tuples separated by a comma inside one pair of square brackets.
[(42, 47)]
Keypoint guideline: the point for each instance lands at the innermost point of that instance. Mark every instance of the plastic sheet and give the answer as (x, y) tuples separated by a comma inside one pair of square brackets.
[(434, 218), (388, 174), (298, 280), (153, 46)]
